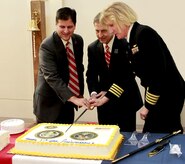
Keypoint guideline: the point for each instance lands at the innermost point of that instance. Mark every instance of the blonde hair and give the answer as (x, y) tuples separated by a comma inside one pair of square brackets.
[(119, 13)]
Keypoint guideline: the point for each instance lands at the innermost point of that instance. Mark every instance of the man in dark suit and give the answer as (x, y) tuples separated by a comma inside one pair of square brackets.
[(54, 101), (121, 108)]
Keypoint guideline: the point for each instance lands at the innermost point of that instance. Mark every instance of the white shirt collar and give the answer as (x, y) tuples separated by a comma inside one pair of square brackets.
[(109, 44), (70, 41)]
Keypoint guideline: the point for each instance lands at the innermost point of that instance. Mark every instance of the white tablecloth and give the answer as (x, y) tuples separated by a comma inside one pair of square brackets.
[(23, 159)]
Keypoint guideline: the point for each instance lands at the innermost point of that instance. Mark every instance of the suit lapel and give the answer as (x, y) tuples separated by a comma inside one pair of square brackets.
[(75, 46), (60, 48), (101, 54), (115, 47), (100, 48), (135, 32)]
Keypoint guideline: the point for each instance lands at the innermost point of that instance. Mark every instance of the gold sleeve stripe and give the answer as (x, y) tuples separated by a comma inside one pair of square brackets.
[(110, 90), (116, 90), (150, 101), (152, 95), (151, 98)]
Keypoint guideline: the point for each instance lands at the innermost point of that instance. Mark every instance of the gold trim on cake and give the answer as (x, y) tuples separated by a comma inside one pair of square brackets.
[(109, 156)]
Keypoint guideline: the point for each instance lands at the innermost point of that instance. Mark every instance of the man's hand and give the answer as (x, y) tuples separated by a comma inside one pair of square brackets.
[(81, 102)]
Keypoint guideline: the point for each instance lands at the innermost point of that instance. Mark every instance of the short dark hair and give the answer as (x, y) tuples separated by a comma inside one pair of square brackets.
[(66, 13)]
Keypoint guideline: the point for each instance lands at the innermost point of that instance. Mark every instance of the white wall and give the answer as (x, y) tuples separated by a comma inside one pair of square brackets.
[(16, 65), (16, 69)]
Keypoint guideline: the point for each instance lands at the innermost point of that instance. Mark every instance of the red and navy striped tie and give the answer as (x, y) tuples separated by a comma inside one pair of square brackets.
[(73, 75), (107, 54)]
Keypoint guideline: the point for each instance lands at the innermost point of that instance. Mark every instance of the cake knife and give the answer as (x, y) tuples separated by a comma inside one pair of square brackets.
[(91, 108)]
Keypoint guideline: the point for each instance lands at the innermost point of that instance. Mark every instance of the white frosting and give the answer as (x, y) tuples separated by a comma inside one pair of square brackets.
[(103, 146), (13, 126), (103, 134)]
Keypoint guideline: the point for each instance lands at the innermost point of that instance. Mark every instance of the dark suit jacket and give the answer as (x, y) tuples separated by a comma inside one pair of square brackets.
[(101, 78), (52, 92)]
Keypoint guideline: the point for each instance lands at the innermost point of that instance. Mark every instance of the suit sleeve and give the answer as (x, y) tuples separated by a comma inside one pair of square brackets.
[(154, 52), (123, 79), (115, 91)]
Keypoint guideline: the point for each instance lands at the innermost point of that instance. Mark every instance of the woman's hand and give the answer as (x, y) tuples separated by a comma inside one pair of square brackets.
[(98, 101), (143, 113)]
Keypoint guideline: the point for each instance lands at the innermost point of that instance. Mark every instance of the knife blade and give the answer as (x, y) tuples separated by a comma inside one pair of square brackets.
[(91, 108), (158, 149)]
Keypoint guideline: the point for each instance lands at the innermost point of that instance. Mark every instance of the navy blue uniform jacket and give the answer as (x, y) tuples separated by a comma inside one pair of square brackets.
[(118, 80)]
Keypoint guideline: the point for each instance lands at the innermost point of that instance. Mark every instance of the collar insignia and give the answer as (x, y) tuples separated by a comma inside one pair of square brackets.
[(116, 51)]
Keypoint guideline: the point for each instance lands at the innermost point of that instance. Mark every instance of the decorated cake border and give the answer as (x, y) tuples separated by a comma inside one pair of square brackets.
[(110, 156)]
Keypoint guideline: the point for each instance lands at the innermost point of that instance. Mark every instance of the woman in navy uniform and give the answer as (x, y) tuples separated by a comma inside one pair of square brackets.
[(152, 62)]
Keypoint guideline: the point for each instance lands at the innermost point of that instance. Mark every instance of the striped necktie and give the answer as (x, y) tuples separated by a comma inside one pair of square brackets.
[(107, 54), (73, 75)]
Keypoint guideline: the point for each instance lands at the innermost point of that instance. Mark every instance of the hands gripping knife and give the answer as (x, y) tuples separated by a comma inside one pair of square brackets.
[(158, 149)]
